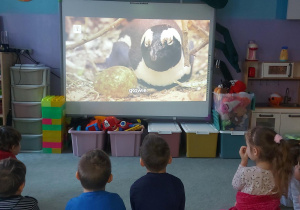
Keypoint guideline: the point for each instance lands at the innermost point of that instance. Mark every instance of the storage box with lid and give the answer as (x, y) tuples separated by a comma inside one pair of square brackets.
[(170, 132), (201, 139), (230, 143), (84, 141), (30, 74), (125, 143)]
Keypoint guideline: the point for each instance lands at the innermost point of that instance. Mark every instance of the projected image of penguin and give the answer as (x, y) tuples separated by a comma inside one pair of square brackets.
[(154, 52)]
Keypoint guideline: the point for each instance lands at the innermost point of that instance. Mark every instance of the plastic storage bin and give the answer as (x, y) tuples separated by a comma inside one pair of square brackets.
[(84, 141), (28, 125), (201, 139), (171, 133), (26, 109), (31, 142), (28, 93), (30, 74), (231, 142), (234, 110), (125, 143)]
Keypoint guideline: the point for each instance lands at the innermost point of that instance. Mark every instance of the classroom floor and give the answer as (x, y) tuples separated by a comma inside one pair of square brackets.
[(51, 179)]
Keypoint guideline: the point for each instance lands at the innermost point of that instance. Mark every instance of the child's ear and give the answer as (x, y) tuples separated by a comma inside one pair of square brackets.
[(170, 160), (20, 190), (77, 175), (255, 151), (110, 178), (142, 162)]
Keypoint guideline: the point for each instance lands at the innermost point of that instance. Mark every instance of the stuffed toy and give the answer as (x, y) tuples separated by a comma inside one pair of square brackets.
[(275, 99), (237, 86), (110, 123)]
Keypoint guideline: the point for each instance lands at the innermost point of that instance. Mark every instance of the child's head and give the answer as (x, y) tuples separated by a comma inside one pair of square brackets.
[(94, 170), (12, 177), (10, 139), (271, 148), (295, 155), (155, 153)]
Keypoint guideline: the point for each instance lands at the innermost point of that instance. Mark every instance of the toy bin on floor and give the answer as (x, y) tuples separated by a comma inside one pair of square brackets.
[(201, 139), (125, 143), (230, 143), (84, 141), (170, 132)]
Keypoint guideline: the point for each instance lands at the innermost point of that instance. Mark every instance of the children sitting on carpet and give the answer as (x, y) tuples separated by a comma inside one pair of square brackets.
[(293, 197), (157, 189), (94, 172), (12, 182), (260, 186), (9, 142)]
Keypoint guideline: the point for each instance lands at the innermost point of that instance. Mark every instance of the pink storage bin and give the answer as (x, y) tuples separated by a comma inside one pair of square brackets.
[(84, 141), (125, 143), (27, 109), (170, 132)]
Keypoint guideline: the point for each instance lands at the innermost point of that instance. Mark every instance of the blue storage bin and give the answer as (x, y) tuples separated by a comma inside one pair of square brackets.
[(230, 143)]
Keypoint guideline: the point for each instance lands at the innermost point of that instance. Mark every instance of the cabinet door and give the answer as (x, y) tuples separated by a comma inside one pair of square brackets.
[(290, 124), (270, 120)]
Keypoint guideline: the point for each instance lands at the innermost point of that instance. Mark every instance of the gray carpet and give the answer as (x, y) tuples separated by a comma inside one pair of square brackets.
[(51, 179)]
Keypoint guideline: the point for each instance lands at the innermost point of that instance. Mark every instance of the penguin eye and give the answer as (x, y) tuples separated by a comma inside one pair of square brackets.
[(170, 41), (147, 42)]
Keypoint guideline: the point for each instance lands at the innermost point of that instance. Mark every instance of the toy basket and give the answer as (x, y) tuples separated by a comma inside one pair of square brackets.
[(234, 110)]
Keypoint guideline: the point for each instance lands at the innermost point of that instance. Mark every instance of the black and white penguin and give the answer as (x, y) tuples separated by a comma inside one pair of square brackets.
[(153, 49)]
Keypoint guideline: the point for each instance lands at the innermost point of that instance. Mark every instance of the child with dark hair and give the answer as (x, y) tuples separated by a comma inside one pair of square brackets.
[(9, 142), (292, 199), (12, 182), (157, 189), (262, 185), (94, 171)]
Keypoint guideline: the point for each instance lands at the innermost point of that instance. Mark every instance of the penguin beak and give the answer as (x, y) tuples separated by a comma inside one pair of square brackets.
[(155, 49)]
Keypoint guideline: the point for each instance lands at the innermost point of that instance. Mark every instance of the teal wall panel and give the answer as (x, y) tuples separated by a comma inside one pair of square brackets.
[(31, 7), (245, 9)]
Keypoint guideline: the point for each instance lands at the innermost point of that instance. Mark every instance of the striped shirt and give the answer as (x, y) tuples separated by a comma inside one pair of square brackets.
[(18, 202)]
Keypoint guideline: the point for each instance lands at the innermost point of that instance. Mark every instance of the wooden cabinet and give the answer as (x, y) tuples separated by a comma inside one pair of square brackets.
[(282, 120), (6, 61), (282, 83)]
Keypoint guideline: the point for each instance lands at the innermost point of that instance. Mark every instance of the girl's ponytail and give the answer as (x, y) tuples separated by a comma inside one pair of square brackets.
[(282, 166)]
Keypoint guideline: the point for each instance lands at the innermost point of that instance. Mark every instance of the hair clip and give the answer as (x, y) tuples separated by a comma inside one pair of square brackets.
[(277, 138)]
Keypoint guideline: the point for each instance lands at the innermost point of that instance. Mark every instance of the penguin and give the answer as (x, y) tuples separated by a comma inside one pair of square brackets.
[(153, 49)]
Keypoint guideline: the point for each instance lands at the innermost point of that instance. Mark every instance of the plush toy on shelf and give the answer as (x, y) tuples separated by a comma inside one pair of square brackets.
[(275, 99)]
